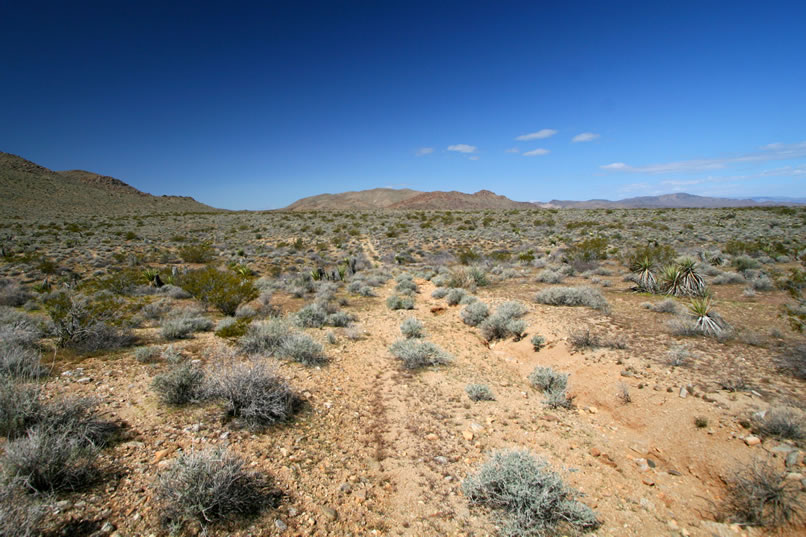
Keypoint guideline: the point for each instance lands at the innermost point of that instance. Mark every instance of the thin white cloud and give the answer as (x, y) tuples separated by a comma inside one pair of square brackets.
[(474, 157), (463, 148), (424, 151), (536, 152), (775, 151), (543, 133), (513, 150), (585, 137)]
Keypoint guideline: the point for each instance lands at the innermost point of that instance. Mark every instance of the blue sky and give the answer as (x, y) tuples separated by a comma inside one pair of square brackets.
[(254, 105)]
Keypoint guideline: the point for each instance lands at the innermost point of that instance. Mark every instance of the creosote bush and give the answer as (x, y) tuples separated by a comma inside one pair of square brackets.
[(532, 500), (415, 353), (85, 325), (573, 296), (223, 289), (210, 486)]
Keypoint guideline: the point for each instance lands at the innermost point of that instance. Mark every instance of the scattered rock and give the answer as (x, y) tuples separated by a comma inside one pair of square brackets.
[(280, 525), (330, 513), (752, 440), (683, 392), (648, 481), (468, 435), (792, 459)]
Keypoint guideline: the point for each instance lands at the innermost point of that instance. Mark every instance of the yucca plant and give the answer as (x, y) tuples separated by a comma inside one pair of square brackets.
[(150, 274), (646, 280), (691, 283), (242, 270), (702, 310), (670, 280)]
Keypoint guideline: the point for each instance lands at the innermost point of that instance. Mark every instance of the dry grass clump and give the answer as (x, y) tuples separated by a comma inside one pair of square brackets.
[(253, 394), (585, 338), (52, 446), (304, 349), (505, 322), (759, 495), (12, 293), (182, 385), (20, 513), (184, 322), (264, 338), (782, 423), (573, 296), (415, 353), (479, 392), (412, 328), (210, 486), (475, 313), (553, 385), (530, 499), (396, 302), (668, 305)]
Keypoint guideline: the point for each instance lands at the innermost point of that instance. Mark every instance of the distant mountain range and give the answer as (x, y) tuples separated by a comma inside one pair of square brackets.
[(30, 190), (387, 198)]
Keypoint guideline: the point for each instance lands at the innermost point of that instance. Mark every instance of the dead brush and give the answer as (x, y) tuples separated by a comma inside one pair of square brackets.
[(759, 495)]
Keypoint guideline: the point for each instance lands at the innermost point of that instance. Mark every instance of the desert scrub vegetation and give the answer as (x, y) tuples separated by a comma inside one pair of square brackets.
[(473, 314), (52, 445), (208, 487), (573, 296), (84, 324), (505, 322), (253, 394), (479, 392), (197, 253), (781, 423), (553, 385), (759, 495), (264, 338), (538, 342), (416, 354), (585, 338), (668, 305), (682, 278), (182, 385), (396, 302), (412, 328), (21, 514), (303, 348), (223, 289), (529, 499), (181, 323)]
